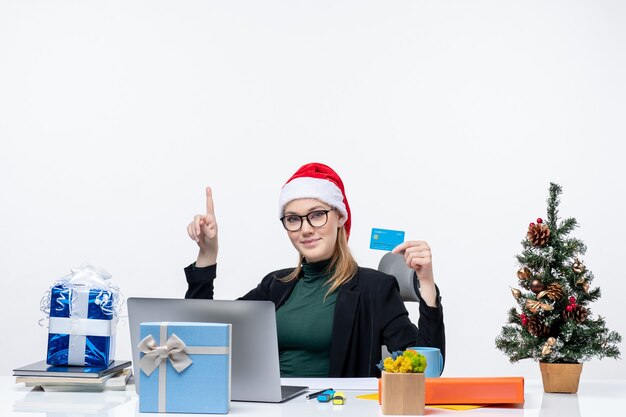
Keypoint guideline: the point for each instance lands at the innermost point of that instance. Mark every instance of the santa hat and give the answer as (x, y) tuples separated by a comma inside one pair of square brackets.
[(317, 181)]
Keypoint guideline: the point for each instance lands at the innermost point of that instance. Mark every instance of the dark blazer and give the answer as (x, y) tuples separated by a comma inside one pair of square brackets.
[(369, 313)]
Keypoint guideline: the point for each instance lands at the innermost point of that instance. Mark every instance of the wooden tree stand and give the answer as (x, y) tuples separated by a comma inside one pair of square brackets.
[(403, 393), (560, 377)]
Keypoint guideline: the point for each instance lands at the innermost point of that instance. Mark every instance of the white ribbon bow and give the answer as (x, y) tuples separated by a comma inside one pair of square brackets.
[(89, 275), (174, 349)]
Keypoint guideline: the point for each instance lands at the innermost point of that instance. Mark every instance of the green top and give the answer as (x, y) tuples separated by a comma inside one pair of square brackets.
[(305, 324)]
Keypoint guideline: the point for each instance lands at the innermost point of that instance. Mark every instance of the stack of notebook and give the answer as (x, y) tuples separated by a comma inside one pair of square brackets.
[(74, 378)]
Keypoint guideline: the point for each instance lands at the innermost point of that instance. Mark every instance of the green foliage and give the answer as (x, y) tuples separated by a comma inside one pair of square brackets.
[(408, 361), (575, 335)]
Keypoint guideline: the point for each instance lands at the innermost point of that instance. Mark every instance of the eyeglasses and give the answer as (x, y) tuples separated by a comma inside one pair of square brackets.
[(293, 222)]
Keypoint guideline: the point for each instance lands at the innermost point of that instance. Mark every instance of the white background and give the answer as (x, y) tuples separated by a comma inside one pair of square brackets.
[(447, 119)]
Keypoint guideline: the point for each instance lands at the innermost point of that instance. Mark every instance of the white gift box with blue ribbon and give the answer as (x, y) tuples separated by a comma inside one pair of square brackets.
[(185, 367), (83, 319)]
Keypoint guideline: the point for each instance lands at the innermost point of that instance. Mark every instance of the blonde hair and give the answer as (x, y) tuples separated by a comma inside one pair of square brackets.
[(342, 264)]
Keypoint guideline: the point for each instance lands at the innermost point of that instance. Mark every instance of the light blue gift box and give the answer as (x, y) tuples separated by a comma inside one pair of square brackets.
[(185, 367)]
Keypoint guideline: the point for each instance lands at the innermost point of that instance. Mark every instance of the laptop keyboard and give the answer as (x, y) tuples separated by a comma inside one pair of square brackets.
[(288, 391)]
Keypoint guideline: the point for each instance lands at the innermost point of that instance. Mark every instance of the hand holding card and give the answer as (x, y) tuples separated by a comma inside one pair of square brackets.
[(418, 256)]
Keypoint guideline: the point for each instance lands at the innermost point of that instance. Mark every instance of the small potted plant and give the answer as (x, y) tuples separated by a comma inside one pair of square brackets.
[(402, 383)]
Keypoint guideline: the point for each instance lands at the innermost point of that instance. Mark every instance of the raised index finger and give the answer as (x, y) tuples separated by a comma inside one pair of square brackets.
[(209, 201)]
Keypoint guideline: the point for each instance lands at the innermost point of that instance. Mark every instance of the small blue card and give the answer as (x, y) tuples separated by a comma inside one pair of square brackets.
[(384, 239)]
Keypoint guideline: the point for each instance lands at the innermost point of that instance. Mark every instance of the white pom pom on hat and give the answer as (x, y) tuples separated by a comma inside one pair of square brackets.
[(319, 181)]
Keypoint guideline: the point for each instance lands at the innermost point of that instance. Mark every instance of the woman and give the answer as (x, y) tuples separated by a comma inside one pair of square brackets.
[(332, 316)]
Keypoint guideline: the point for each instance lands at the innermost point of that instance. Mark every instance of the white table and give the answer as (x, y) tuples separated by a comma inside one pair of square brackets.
[(594, 398)]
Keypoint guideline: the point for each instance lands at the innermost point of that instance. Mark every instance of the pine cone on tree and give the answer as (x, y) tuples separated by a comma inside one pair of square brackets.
[(578, 314), (538, 234), (537, 327), (553, 291)]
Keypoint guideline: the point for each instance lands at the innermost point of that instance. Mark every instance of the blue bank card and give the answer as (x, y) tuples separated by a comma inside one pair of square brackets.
[(384, 239)]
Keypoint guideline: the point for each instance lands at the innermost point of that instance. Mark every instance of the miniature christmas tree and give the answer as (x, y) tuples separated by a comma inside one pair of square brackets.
[(554, 323)]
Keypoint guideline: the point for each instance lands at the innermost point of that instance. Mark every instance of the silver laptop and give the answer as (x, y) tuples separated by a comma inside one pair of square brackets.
[(255, 365)]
